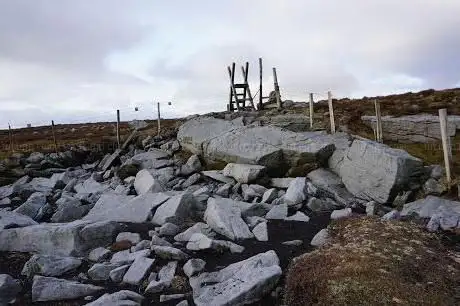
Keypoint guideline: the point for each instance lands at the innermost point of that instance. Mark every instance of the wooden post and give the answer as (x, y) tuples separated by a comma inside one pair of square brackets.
[(159, 124), (231, 73), (54, 136), (277, 88), (118, 128), (260, 85), (10, 136), (311, 110), (331, 111), (445, 143), (378, 122), (247, 89)]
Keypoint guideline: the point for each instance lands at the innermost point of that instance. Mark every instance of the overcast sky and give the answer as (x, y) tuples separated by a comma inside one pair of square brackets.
[(80, 60)]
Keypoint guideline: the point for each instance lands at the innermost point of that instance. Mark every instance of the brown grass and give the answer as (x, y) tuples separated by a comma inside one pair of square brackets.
[(371, 262)]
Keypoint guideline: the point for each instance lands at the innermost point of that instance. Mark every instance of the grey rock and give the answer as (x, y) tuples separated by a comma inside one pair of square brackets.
[(260, 231), (134, 238), (108, 162), (170, 297), (35, 158), (341, 213), (120, 298), (296, 192), (199, 227), (169, 253), (278, 212), (138, 270), (191, 180), (142, 245), (437, 172), (171, 146), (433, 187), (116, 275), (202, 242), (6, 202), (9, 288), (243, 282), (316, 204), (9, 219), (248, 193), (99, 254), (371, 208), (47, 265), (373, 171), (54, 289), (126, 257), (183, 303), (145, 183), (226, 220), (192, 165), (100, 230), (330, 185), (66, 239), (165, 277), (101, 271), (298, 216), (253, 221), (168, 229), (269, 195), (392, 215), (218, 176), (174, 210), (194, 266), (159, 241), (321, 238), (244, 173), (224, 190), (431, 205), (32, 206), (282, 182), (90, 186), (69, 210), (148, 160), (122, 208), (293, 243)]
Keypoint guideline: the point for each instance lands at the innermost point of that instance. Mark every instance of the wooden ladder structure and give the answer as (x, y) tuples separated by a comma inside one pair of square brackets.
[(240, 92)]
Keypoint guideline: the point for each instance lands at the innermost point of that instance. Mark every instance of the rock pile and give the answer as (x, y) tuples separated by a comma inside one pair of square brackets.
[(143, 218)]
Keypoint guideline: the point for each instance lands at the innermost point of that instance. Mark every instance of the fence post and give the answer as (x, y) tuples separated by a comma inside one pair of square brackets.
[(445, 143), (10, 136), (118, 128), (159, 124), (331, 111), (260, 85), (311, 110), (277, 88), (378, 122), (54, 136)]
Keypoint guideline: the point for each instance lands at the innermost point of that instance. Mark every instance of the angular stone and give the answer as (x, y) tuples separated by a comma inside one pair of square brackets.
[(218, 176), (278, 212), (168, 229), (193, 266), (226, 220), (433, 187), (224, 190), (150, 159), (134, 238), (175, 210), (320, 238), (192, 165), (99, 254), (269, 195), (326, 204), (122, 208), (9, 288), (260, 231), (116, 275), (146, 183), (111, 160), (159, 241), (296, 192), (138, 270), (55, 289), (47, 265), (165, 277), (191, 180), (392, 215), (244, 173), (142, 245), (90, 186), (170, 297), (169, 253), (293, 243), (431, 205), (341, 213), (69, 210), (101, 271), (253, 221), (9, 219), (126, 257), (199, 227), (330, 185), (202, 242), (298, 216), (373, 171), (282, 182), (120, 298), (243, 282), (32, 206)]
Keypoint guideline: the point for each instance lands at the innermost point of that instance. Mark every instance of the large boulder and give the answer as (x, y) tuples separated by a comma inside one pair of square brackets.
[(9, 219), (32, 206), (240, 283), (331, 185), (373, 171), (122, 208), (61, 239), (145, 183), (48, 265), (243, 173), (226, 220), (430, 206)]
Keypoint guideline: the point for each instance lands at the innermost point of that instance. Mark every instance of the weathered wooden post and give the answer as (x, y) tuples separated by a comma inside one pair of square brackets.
[(378, 122), (10, 136), (247, 90), (260, 85), (311, 110), (445, 144), (331, 111), (277, 89), (118, 128), (159, 124), (54, 136)]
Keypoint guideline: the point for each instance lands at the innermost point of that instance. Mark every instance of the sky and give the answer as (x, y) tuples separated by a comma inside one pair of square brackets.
[(78, 61)]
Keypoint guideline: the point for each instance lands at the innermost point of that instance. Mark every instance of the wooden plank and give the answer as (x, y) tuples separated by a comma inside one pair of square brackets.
[(277, 89), (54, 136), (159, 124), (311, 110), (445, 144), (118, 129), (378, 122), (260, 85), (231, 74), (248, 90), (10, 136), (331, 112)]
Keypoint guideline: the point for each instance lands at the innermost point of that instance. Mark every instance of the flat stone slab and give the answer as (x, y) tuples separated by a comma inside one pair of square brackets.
[(9, 219), (55, 289), (430, 206)]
